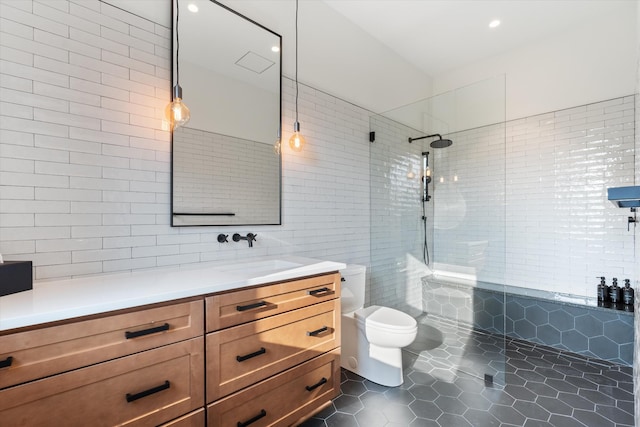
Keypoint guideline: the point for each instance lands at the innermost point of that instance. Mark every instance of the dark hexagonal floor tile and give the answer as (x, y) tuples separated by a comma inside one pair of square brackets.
[(371, 417), (426, 410), (520, 393), (372, 399), (591, 418), (451, 420), (530, 375), (340, 419), (554, 405), (398, 413), (477, 417), (531, 410), (348, 404), (474, 401), (575, 401), (616, 415), (507, 414), (450, 405), (399, 395), (561, 385), (447, 389), (424, 392), (353, 388), (541, 389), (597, 397)]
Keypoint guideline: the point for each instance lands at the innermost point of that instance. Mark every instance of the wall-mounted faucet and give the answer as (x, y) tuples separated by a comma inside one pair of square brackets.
[(250, 237), (222, 238)]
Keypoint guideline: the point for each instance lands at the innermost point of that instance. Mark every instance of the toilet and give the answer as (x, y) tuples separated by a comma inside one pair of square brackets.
[(372, 337)]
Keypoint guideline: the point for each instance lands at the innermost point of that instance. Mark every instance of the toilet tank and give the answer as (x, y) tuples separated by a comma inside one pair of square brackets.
[(352, 290)]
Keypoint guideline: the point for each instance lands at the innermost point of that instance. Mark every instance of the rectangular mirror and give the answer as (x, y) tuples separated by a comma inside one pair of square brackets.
[(225, 170)]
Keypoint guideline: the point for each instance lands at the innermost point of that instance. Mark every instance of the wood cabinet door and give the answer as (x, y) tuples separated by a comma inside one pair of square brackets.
[(147, 388)]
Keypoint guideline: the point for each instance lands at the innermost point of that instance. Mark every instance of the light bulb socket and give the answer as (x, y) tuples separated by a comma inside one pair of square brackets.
[(177, 92), (296, 126)]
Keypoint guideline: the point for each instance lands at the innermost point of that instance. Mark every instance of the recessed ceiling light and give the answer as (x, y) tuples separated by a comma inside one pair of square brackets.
[(192, 7), (495, 23), (275, 49)]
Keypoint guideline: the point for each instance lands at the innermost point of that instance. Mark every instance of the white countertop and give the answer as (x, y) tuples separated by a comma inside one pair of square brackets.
[(65, 299)]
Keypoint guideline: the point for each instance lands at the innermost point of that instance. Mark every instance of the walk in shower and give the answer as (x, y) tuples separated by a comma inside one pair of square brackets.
[(437, 173)]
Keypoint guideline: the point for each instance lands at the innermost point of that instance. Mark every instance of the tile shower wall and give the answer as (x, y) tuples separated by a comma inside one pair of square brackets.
[(85, 154), (593, 332), (561, 232)]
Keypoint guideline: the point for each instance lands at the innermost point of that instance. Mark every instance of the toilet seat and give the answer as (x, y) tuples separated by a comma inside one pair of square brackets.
[(385, 319)]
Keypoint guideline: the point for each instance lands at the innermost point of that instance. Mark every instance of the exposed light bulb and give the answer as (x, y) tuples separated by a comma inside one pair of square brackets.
[(277, 146), (275, 49), (192, 8), (494, 24), (296, 142), (177, 112)]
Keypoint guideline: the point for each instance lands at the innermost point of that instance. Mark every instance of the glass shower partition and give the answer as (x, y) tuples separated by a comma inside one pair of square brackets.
[(439, 253)]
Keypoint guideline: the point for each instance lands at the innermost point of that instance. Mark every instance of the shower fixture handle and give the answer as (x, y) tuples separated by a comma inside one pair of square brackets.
[(250, 237)]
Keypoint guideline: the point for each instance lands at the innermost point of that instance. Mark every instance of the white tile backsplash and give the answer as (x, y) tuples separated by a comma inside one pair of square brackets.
[(85, 165)]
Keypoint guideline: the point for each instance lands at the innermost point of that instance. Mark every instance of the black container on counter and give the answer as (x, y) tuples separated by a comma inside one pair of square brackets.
[(603, 290), (628, 294), (615, 292)]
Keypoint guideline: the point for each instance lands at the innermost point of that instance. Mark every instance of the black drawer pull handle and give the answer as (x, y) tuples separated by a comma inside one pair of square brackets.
[(250, 355), (317, 331), (136, 334), (136, 396), (6, 362), (316, 385), (250, 306), (319, 291), (262, 413)]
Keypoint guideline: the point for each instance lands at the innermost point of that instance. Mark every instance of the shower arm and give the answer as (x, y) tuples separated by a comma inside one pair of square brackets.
[(423, 137)]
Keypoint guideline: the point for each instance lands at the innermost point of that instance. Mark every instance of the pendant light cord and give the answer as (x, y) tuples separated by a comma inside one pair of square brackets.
[(296, 61), (177, 43)]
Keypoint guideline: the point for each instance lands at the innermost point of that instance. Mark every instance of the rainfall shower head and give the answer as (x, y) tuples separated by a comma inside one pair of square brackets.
[(441, 143), (438, 143)]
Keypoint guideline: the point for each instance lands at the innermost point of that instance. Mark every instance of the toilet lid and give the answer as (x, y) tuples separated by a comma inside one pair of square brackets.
[(385, 317)]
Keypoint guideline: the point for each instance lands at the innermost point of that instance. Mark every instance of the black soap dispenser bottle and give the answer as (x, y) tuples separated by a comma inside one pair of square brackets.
[(628, 294), (603, 292), (615, 294)]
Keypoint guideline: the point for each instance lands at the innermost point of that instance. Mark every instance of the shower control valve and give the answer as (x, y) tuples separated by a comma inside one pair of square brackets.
[(222, 238)]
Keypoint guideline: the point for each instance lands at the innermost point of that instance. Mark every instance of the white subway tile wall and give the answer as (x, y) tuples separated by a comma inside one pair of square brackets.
[(85, 155), (561, 232)]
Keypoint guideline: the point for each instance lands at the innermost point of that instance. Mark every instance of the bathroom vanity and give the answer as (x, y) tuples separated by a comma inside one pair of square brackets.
[(251, 344)]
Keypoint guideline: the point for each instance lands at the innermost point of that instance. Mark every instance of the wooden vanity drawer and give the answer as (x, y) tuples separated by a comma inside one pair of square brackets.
[(243, 306), (194, 419), (242, 355), (282, 400), (47, 351), (143, 389)]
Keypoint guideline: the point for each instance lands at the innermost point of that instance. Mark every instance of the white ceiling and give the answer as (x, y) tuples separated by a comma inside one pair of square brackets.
[(441, 35)]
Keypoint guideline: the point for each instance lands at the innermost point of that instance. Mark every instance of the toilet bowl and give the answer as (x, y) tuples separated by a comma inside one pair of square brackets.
[(372, 337)]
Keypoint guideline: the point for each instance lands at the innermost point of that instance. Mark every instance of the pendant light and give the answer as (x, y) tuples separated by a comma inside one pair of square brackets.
[(177, 112), (296, 142)]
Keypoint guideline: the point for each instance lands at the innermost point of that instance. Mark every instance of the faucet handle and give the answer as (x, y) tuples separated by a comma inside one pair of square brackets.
[(252, 236), (222, 238)]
